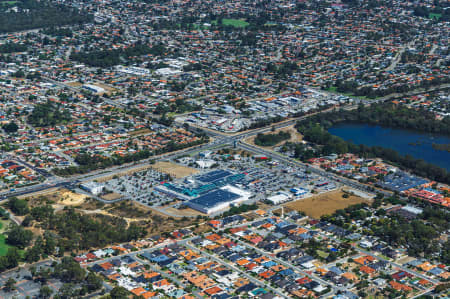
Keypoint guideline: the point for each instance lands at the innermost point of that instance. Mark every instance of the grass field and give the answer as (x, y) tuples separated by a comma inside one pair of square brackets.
[(3, 246), (324, 204), (333, 89), (436, 16), (8, 2), (237, 23)]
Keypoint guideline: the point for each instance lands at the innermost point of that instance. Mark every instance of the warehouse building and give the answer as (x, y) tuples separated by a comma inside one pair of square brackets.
[(219, 200)]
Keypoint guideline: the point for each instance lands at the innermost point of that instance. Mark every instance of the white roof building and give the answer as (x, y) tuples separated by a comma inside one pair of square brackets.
[(279, 198)]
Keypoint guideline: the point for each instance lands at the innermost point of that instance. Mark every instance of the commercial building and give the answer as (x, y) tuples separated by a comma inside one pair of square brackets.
[(94, 88), (279, 198), (219, 200), (92, 187)]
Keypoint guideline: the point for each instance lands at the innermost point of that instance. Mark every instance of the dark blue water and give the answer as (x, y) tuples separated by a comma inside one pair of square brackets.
[(397, 139)]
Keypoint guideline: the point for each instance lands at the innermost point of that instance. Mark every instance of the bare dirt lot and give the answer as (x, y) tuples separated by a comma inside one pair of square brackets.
[(111, 196), (75, 84), (70, 198), (108, 89), (140, 132), (184, 212), (125, 172), (295, 136), (324, 204), (57, 197), (174, 170)]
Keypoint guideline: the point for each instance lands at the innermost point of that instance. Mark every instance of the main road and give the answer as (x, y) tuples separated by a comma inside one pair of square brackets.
[(219, 140)]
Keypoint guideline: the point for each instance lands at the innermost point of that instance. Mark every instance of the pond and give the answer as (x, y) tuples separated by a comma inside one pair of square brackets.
[(406, 142)]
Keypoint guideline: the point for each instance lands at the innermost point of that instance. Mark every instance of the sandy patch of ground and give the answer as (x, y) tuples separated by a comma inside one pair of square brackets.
[(125, 172), (175, 170), (70, 198), (107, 88), (295, 136), (129, 209), (140, 132), (75, 84), (111, 196), (55, 197), (201, 229), (184, 212), (152, 220), (405, 260), (325, 203)]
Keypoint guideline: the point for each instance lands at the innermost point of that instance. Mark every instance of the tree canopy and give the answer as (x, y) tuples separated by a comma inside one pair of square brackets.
[(48, 114), (33, 14)]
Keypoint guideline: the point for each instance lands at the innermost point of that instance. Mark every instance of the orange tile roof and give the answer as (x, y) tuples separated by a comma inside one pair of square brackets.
[(400, 287), (213, 290), (148, 295), (138, 291), (367, 270), (350, 276), (242, 262), (149, 275)]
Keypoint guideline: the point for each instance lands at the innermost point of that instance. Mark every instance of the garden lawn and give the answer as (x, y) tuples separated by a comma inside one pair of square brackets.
[(238, 23), (436, 16), (3, 246)]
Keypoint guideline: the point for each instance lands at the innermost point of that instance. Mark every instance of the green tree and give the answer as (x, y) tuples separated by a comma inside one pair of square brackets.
[(11, 127), (18, 236), (45, 292), (50, 244), (119, 293), (18, 206), (33, 254), (69, 271), (93, 282), (10, 285)]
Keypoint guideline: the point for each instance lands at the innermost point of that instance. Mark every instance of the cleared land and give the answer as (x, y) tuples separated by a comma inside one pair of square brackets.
[(140, 132), (324, 204), (295, 136), (108, 89), (152, 220), (57, 198), (70, 198), (184, 212), (177, 171), (74, 84), (111, 196), (125, 172)]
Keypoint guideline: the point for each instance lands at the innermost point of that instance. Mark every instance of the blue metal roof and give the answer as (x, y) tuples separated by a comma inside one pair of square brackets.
[(215, 197)]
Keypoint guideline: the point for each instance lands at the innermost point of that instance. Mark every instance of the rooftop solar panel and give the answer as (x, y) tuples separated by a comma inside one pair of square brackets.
[(215, 197), (213, 176)]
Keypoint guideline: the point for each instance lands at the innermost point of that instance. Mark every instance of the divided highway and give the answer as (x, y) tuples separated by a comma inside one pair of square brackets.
[(219, 140)]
